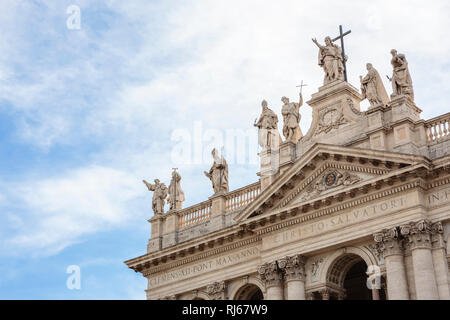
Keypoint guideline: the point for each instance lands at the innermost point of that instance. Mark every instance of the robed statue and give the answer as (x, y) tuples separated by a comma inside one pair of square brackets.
[(330, 59), (159, 196), (268, 135), (401, 79), (291, 119), (176, 194), (218, 174), (372, 87)]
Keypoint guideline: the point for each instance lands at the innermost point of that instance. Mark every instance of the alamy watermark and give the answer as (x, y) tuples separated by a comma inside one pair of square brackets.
[(73, 22), (74, 280)]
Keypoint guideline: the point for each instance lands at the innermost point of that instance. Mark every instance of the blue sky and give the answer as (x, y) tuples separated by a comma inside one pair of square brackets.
[(86, 114)]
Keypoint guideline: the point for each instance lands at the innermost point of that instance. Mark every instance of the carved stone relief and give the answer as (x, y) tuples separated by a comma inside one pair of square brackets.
[(329, 119)]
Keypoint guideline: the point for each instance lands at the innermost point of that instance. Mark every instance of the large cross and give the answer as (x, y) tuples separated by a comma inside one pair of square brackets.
[(341, 36)]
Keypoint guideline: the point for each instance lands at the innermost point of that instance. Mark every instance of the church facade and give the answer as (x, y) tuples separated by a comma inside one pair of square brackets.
[(357, 208)]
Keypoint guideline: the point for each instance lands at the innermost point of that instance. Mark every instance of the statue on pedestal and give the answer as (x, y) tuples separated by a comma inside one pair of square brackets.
[(159, 196), (401, 79), (176, 194), (218, 174), (268, 135), (330, 59), (372, 87), (291, 118)]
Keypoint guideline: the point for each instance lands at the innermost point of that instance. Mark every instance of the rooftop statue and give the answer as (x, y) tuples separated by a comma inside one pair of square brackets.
[(268, 135), (401, 79), (372, 87), (291, 118), (330, 59), (176, 194), (159, 196), (218, 174)]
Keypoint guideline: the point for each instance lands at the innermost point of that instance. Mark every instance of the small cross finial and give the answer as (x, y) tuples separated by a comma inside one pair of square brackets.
[(301, 86)]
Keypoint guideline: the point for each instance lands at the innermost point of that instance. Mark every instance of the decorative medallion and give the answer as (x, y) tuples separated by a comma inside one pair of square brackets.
[(330, 179)]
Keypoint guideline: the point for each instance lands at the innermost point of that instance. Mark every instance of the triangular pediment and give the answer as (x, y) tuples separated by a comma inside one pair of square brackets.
[(324, 170)]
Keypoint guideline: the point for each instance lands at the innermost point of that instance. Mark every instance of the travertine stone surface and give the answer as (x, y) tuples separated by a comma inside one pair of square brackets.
[(356, 176)]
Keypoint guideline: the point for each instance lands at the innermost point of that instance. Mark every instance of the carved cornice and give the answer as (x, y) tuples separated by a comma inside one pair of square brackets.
[(388, 242), (270, 274), (293, 267)]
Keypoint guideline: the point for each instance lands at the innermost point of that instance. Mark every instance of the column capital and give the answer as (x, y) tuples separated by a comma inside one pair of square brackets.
[(437, 236), (388, 242), (325, 294), (217, 290), (293, 267), (270, 274), (417, 234)]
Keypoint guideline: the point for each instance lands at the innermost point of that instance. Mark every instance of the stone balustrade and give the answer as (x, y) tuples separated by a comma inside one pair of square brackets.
[(241, 197), (438, 128), (195, 214)]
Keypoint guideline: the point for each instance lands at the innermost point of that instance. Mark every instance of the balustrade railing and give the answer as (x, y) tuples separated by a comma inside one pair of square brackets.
[(241, 197), (193, 215), (438, 128)]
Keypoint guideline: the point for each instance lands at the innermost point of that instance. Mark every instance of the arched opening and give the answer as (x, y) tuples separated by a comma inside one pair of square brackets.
[(355, 282), (249, 292), (347, 279)]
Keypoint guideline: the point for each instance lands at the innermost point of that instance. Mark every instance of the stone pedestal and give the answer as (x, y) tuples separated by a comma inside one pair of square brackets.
[(270, 167), (157, 230), (336, 115), (170, 229), (287, 155), (218, 203), (402, 108)]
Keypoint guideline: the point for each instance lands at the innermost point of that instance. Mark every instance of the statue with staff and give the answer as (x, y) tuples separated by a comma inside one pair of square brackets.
[(176, 194), (291, 118)]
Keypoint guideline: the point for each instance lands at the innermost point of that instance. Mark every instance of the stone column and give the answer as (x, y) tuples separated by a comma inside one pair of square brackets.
[(418, 237), (272, 277), (440, 260), (294, 275), (390, 245)]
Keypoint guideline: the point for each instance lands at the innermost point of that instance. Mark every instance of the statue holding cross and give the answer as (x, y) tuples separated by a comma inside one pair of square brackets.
[(332, 58)]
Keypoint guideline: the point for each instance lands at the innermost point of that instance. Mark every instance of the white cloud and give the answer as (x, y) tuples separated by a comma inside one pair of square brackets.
[(60, 210)]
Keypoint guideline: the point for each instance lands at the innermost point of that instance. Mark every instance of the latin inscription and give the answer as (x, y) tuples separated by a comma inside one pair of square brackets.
[(439, 197), (204, 266), (335, 222)]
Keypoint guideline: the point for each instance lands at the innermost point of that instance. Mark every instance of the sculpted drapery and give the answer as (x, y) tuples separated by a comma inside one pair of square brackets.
[(372, 87), (291, 117), (176, 194), (218, 174), (330, 59), (159, 196), (401, 78), (268, 135)]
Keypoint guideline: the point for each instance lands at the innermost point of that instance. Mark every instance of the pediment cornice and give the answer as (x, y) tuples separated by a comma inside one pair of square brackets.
[(307, 168)]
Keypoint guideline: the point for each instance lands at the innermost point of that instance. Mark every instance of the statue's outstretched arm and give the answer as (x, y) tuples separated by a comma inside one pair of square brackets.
[(149, 185)]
